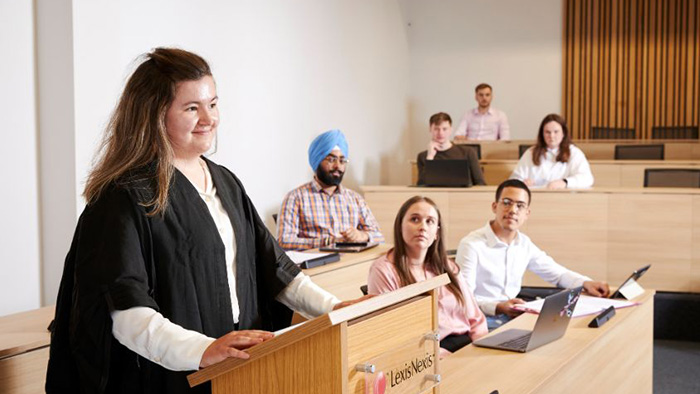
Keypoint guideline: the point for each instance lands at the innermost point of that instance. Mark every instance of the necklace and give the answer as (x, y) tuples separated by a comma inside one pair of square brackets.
[(204, 172)]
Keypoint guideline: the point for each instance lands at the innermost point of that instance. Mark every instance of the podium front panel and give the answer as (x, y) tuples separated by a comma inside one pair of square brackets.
[(310, 366), (384, 332)]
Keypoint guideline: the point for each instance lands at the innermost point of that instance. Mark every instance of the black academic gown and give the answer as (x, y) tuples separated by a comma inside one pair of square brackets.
[(121, 258)]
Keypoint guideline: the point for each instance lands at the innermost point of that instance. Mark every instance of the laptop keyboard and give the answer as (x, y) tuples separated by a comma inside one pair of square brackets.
[(517, 343)]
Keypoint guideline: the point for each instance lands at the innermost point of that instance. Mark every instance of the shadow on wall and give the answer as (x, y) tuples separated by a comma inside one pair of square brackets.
[(394, 165), (269, 221)]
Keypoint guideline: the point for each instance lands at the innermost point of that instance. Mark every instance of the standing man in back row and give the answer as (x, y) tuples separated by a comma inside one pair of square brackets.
[(322, 211), (483, 122)]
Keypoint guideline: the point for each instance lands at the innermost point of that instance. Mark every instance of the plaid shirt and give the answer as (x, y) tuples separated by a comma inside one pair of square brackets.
[(310, 218)]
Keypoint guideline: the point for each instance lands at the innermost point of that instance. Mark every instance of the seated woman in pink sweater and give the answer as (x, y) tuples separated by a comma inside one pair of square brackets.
[(419, 254)]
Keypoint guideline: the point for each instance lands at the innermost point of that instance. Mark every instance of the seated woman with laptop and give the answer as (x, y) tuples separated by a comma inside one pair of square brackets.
[(419, 254), (441, 148), (554, 162)]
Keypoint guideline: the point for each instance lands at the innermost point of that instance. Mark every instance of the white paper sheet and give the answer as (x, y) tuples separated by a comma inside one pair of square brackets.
[(631, 290), (586, 305), (300, 257)]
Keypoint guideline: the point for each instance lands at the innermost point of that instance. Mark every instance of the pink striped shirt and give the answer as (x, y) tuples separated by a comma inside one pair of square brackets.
[(453, 318), (310, 218), (493, 125)]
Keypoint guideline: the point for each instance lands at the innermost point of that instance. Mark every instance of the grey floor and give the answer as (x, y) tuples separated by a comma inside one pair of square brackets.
[(676, 367)]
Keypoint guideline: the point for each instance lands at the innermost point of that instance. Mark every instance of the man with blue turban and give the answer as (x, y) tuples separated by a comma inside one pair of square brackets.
[(322, 211)]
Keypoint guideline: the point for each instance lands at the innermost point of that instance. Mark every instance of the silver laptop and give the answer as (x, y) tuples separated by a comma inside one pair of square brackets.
[(551, 325)]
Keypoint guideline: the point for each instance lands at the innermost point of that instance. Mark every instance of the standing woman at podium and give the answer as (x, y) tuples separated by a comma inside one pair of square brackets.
[(419, 254), (170, 268)]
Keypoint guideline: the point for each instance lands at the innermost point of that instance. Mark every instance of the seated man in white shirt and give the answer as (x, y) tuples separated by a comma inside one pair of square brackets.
[(494, 258)]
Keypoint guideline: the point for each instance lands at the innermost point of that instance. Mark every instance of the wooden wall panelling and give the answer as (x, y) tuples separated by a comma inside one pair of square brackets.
[(695, 268), (630, 64), (583, 248), (650, 229), (467, 215)]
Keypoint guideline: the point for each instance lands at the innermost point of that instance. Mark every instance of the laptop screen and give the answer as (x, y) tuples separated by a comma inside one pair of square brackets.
[(449, 173)]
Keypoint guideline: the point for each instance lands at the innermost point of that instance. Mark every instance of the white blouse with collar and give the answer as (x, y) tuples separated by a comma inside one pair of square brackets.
[(576, 171)]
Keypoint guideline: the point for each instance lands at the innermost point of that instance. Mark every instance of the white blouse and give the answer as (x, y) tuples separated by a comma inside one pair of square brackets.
[(576, 171), (151, 335)]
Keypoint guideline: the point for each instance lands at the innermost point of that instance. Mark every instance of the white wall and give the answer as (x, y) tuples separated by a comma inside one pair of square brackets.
[(19, 229), (56, 115), (513, 45), (285, 71)]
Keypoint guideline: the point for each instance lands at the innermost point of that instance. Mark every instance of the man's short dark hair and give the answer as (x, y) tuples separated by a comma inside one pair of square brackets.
[(482, 86), (516, 183), (439, 118)]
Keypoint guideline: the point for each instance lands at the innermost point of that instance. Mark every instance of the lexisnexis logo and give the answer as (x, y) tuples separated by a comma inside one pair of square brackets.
[(409, 370)]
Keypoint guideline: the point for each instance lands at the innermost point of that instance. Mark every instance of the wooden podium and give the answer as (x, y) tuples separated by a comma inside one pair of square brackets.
[(393, 334)]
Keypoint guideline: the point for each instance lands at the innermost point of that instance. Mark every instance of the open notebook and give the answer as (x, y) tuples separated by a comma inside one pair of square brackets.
[(586, 305)]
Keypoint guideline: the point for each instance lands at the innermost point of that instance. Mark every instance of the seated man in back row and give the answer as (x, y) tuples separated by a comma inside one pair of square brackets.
[(494, 258), (322, 212)]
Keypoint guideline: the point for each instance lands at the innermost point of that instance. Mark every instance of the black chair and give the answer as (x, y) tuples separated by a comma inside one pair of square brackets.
[(612, 133), (675, 133), (531, 293), (364, 290), (477, 149), (672, 177), (639, 152), (522, 149), (274, 217)]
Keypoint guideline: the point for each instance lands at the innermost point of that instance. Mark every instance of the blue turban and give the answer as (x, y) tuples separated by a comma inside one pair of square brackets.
[(322, 145)]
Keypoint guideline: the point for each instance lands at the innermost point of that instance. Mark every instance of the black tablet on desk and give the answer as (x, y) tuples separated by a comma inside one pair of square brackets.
[(636, 274), (348, 247), (306, 260)]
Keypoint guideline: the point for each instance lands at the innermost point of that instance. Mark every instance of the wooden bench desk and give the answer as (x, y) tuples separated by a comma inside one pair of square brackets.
[(344, 278), (604, 233), (615, 358), (594, 149), (24, 350), (607, 173)]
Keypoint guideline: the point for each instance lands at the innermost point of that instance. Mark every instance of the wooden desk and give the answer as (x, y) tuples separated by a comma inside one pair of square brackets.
[(615, 358), (594, 149), (24, 351), (604, 233), (344, 278), (607, 173)]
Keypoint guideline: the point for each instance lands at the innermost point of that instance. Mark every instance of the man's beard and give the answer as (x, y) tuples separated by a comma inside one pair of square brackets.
[(327, 178)]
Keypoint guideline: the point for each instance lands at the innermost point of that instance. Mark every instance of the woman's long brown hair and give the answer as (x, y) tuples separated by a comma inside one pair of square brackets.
[(135, 137), (435, 259), (541, 147)]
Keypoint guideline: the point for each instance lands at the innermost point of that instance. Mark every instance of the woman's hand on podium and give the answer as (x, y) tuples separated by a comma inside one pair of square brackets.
[(231, 345), (343, 304)]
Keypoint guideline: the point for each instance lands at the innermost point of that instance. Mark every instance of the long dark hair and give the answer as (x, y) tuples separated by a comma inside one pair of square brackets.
[(135, 136), (435, 259), (541, 147)]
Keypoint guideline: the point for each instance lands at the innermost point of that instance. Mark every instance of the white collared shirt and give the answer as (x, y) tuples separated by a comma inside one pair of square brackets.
[(576, 171), (494, 269)]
